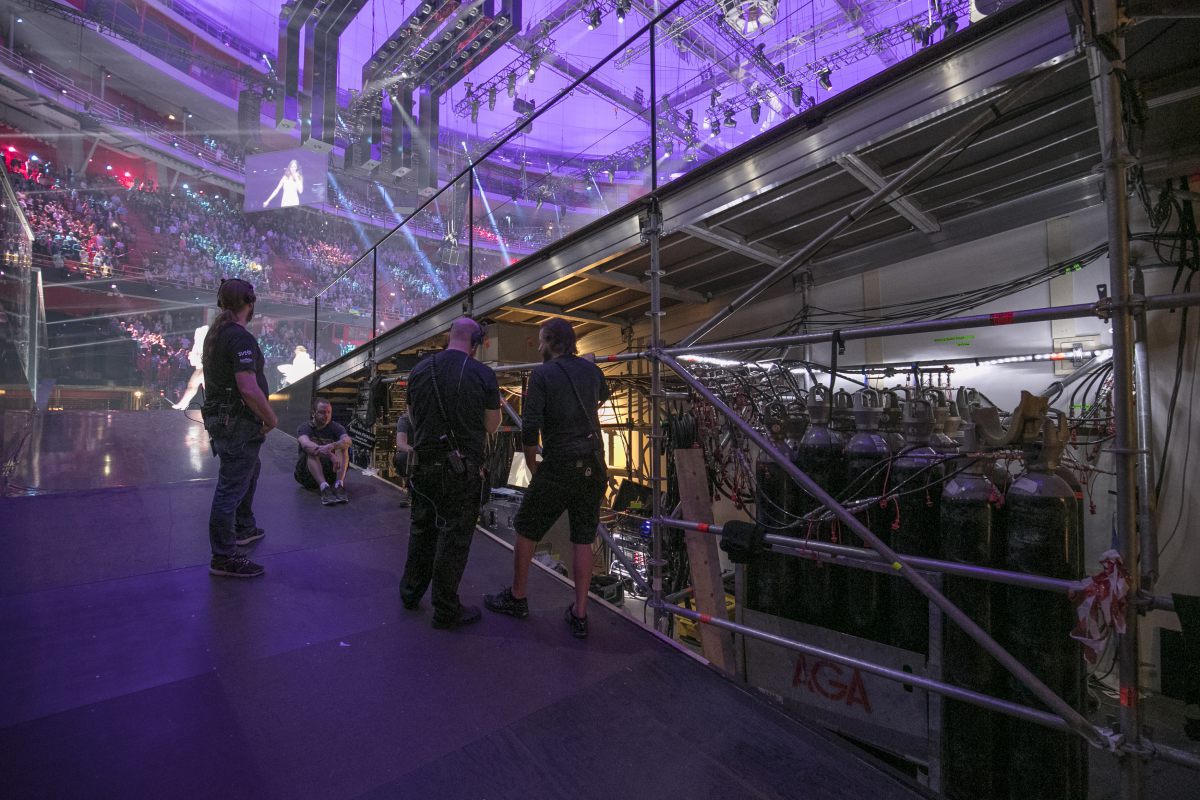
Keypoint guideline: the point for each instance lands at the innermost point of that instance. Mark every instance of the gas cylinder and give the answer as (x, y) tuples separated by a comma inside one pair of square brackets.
[(1043, 538), (821, 455), (1068, 475), (892, 423), (842, 418), (771, 578), (971, 740), (916, 479), (953, 425), (867, 454), (939, 440)]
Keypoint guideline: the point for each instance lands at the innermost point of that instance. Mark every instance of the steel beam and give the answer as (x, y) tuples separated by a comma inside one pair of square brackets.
[(868, 175), (623, 281), (547, 310), (994, 111), (734, 245)]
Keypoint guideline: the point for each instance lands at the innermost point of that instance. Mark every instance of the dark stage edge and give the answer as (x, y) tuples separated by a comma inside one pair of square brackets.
[(127, 671)]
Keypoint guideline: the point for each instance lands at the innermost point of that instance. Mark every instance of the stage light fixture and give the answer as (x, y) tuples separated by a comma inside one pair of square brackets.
[(474, 109), (492, 98), (594, 18), (512, 84), (755, 112), (730, 122), (798, 98), (171, 117), (825, 78), (714, 127), (713, 97), (950, 23), (623, 7)]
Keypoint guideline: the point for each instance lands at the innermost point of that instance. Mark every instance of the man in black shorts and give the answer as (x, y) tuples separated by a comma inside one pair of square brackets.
[(561, 405), (324, 455), (453, 404)]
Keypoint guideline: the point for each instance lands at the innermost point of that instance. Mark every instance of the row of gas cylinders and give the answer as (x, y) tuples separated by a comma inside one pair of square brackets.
[(930, 490)]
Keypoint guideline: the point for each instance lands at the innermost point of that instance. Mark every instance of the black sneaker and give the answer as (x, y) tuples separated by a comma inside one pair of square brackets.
[(466, 616), (339, 494), (328, 498), (504, 603), (578, 624), (252, 535), (409, 603), (234, 567)]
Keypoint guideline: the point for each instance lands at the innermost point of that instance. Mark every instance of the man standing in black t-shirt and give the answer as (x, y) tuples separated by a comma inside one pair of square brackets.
[(561, 405), (324, 455), (454, 403), (237, 417)]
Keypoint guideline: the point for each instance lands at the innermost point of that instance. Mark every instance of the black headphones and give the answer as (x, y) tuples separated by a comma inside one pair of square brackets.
[(477, 336), (250, 299)]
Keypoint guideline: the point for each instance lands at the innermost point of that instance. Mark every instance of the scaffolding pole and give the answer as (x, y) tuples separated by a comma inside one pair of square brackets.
[(1106, 53), (863, 558), (651, 231), (995, 110), (1073, 718)]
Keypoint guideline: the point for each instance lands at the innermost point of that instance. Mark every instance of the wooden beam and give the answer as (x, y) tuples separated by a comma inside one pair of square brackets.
[(704, 558)]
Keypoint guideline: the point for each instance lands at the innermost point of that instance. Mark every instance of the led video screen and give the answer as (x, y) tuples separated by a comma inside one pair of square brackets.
[(286, 178)]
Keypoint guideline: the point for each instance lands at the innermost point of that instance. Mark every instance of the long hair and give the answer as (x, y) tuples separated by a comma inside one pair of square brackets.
[(234, 295), (297, 171), (560, 336)]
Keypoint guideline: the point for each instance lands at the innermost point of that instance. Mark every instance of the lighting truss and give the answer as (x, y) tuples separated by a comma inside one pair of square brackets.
[(795, 79)]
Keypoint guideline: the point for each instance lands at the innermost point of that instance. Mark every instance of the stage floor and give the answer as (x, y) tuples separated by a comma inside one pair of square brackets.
[(127, 671)]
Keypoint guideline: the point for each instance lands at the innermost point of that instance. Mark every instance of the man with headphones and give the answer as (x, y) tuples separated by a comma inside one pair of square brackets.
[(453, 404), (237, 417)]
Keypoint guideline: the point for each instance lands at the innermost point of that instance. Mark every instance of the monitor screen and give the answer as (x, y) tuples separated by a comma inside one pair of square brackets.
[(285, 178)]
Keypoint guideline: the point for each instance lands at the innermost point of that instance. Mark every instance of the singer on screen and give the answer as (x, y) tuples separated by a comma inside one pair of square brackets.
[(292, 184)]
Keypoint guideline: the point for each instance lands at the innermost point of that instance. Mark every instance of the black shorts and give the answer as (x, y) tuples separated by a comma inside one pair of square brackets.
[(576, 487), (305, 478)]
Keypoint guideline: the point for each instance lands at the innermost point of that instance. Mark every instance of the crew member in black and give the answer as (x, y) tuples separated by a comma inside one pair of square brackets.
[(453, 402), (561, 404), (324, 455), (237, 416), (403, 431)]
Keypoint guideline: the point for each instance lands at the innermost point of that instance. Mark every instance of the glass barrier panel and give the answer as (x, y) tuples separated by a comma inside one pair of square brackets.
[(139, 342), (18, 295), (285, 336), (587, 155), (344, 310), (424, 262)]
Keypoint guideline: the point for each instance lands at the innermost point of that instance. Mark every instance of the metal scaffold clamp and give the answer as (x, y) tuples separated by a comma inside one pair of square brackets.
[(650, 222)]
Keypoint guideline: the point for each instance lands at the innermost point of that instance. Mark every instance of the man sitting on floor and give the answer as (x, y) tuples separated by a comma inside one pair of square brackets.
[(324, 455)]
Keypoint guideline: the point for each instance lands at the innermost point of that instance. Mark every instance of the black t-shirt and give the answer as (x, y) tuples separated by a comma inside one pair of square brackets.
[(332, 432), (236, 351), (553, 409), (467, 389)]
